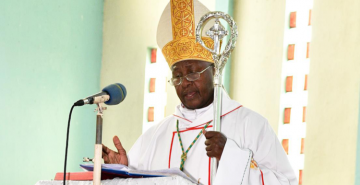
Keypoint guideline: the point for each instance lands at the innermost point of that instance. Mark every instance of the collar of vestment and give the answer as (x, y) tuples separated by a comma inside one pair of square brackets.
[(199, 117), (192, 114)]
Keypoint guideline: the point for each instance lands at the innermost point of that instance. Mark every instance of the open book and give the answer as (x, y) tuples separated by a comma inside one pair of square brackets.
[(126, 172)]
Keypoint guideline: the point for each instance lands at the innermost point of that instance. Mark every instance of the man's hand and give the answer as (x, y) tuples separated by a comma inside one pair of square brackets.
[(215, 143), (112, 157)]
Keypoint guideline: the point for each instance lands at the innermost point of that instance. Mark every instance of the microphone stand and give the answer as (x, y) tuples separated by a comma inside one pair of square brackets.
[(98, 146)]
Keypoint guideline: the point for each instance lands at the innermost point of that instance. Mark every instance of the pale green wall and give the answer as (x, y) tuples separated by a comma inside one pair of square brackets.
[(50, 56), (333, 84), (125, 42), (257, 58), (226, 6)]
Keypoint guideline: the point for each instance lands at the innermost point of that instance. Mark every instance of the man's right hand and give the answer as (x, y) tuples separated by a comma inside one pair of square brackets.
[(112, 157)]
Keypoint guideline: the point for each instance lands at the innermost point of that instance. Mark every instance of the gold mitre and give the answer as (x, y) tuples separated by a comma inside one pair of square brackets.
[(176, 32)]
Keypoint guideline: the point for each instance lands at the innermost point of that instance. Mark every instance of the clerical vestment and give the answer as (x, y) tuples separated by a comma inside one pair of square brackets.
[(252, 154)]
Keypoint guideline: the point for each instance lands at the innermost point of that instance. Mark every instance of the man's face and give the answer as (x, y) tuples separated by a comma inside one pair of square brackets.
[(194, 94)]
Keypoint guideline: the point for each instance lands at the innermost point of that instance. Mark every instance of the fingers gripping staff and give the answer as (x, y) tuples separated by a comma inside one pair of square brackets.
[(215, 143), (217, 33)]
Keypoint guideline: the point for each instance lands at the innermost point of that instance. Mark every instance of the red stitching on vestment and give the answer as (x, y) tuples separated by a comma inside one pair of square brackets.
[(231, 111), (209, 180), (197, 128), (172, 140), (262, 177), (182, 118)]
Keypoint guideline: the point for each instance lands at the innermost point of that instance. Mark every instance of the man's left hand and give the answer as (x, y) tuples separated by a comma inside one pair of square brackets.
[(215, 143)]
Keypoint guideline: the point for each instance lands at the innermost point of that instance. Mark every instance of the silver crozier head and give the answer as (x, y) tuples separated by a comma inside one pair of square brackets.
[(217, 33)]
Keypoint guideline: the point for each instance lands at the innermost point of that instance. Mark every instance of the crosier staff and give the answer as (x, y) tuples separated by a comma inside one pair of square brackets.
[(217, 33)]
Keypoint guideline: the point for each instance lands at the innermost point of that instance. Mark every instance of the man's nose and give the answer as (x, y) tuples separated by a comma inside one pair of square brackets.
[(185, 82)]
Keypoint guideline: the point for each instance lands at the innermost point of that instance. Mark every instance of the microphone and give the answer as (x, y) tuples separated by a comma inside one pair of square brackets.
[(111, 95)]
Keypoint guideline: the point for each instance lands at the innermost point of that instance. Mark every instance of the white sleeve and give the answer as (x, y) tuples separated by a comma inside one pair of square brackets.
[(234, 164), (134, 153), (264, 147)]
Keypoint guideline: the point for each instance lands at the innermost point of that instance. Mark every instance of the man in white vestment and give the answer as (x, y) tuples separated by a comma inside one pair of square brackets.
[(247, 149)]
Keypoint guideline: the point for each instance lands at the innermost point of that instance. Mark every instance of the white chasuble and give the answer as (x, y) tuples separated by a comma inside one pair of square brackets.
[(252, 154)]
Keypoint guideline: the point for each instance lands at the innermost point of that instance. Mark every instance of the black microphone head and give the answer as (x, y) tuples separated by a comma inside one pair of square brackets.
[(117, 93)]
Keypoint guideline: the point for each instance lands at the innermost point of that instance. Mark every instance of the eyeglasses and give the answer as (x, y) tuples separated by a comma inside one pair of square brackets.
[(190, 77)]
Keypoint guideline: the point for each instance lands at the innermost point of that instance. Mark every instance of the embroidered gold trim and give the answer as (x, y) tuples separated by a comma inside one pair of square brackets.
[(186, 48), (182, 18)]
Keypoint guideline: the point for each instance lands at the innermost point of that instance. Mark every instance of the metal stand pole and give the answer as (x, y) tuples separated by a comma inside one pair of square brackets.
[(98, 148)]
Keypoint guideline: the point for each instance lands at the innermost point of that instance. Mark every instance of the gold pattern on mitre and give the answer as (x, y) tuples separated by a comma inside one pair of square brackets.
[(182, 18), (184, 46)]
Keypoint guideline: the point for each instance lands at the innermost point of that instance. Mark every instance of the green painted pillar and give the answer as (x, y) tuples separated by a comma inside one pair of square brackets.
[(50, 56), (226, 6)]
